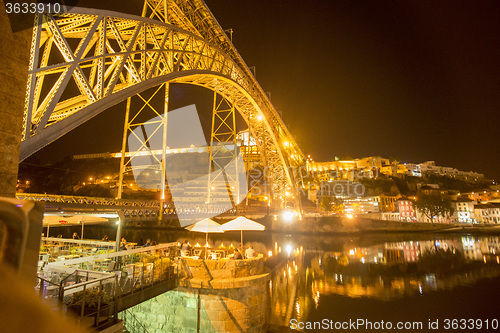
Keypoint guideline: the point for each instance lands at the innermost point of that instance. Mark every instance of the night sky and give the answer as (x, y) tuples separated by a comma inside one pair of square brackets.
[(418, 80)]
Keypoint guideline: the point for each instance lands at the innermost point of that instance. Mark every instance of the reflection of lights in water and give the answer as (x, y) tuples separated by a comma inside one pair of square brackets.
[(275, 245), (430, 279), (420, 289), (484, 259), (297, 308), (287, 216), (270, 253), (375, 259), (279, 249), (363, 260), (316, 299), (288, 249), (498, 260), (351, 252)]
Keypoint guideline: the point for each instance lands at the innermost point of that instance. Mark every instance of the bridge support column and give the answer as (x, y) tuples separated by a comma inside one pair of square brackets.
[(223, 135), (15, 55)]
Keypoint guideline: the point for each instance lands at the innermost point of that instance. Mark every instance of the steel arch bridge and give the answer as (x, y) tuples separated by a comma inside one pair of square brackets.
[(111, 56)]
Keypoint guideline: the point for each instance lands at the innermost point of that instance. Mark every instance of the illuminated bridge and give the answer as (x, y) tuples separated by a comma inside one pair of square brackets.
[(84, 61)]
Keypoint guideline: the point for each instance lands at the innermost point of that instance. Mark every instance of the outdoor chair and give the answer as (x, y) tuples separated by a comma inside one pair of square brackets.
[(215, 255), (133, 275), (110, 267), (148, 272)]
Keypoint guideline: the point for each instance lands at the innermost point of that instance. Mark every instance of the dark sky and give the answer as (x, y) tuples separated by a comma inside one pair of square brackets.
[(414, 79), (418, 80)]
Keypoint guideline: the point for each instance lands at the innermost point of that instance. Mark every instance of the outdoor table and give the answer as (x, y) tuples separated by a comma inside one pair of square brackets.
[(68, 256), (101, 263)]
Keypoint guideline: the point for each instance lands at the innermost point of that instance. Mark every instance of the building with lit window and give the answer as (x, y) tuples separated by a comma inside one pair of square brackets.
[(406, 210), (464, 211), (487, 213)]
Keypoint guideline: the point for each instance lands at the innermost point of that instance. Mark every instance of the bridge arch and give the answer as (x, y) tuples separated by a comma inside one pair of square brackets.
[(112, 56)]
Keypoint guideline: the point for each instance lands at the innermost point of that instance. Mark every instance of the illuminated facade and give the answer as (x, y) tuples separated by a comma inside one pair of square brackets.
[(487, 213)]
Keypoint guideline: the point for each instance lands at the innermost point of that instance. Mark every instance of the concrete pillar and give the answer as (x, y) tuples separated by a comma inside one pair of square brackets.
[(14, 61)]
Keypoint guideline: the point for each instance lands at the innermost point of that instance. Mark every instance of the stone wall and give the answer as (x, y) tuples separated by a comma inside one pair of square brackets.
[(14, 55), (215, 296)]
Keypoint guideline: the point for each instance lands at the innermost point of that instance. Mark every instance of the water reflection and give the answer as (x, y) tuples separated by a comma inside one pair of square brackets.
[(383, 276), (371, 268)]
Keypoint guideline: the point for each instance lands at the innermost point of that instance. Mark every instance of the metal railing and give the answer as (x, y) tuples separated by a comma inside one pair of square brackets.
[(86, 294), (78, 286)]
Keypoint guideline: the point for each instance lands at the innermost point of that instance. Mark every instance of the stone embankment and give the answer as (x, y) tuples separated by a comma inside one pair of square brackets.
[(344, 225), (222, 295)]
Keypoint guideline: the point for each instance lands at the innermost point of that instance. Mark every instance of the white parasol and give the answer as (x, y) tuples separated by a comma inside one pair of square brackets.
[(242, 223), (206, 226)]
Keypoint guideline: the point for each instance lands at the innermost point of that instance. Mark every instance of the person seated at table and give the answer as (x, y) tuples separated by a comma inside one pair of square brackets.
[(105, 238), (123, 245), (75, 236), (148, 242), (237, 255), (250, 252)]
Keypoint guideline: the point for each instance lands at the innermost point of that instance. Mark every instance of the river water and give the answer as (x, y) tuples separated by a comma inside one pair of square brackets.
[(369, 283)]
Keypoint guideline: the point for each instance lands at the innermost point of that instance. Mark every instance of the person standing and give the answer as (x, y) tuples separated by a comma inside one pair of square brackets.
[(185, 248)]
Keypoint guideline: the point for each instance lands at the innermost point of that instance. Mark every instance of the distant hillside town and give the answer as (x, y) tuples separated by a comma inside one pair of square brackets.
[(386, 189)]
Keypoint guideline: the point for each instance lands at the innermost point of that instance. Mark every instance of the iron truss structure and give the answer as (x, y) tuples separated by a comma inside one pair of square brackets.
[(84, 61)]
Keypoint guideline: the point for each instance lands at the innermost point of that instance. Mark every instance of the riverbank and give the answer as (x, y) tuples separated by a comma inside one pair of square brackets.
[(338, 226), (344, 225)]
